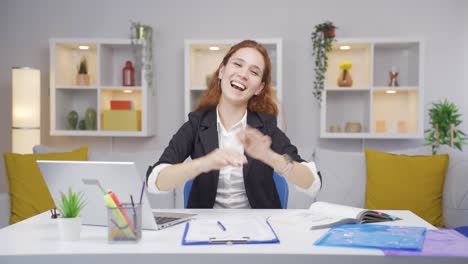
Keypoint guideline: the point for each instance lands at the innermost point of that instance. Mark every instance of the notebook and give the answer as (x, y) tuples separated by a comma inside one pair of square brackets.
[(120, 177)]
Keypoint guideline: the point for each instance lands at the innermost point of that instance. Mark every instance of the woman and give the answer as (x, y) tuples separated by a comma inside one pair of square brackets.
[(236, 115)]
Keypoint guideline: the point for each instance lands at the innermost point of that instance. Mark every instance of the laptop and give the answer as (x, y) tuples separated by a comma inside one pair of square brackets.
[(120, 177)]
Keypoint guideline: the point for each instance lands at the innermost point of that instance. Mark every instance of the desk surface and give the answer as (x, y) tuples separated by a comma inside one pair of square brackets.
[(36, 239)]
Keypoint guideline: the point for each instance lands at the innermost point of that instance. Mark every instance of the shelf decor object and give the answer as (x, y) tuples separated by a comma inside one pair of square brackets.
[(322, 39), (105, 60), (444, 120), (345, 80), (82, 78), (393, 77), (26, 112), (385, 108), (128, 74)]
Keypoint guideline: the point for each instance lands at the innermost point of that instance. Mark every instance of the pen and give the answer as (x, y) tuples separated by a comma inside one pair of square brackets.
[(221, 226), (134, 212), (142, 190)]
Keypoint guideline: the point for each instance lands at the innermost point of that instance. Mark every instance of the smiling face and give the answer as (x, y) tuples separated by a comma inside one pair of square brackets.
[(241, 77)]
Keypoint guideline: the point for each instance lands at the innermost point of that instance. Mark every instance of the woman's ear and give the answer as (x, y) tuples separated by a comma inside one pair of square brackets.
[(221, 71), (260, 88)]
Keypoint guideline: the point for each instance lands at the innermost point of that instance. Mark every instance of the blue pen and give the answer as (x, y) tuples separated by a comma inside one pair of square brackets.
[(221, 226)]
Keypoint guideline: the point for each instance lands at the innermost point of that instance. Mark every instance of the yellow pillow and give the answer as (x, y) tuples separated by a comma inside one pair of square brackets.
[(29, 194), (400, 182)]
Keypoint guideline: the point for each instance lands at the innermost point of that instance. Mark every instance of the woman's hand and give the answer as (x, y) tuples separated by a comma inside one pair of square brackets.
[(220, 158), (256, 144)]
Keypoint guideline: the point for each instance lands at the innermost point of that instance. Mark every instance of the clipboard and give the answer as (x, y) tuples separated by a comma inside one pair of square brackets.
[(230, 238)]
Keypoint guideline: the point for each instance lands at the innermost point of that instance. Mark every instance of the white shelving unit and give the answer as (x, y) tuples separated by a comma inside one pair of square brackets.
[(105, 60), (382, 111), (201, 62)]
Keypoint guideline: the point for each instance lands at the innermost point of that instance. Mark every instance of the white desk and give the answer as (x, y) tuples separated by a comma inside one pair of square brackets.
[(36, 240)]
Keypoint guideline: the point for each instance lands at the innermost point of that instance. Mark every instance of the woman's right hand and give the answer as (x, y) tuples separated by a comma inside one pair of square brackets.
[(220, 158)]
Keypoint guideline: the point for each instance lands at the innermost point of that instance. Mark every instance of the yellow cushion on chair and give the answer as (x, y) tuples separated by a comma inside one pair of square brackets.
[(29, 194), (400, 182)]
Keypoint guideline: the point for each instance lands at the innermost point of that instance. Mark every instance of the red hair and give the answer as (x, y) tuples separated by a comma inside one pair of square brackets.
[(265, 102)]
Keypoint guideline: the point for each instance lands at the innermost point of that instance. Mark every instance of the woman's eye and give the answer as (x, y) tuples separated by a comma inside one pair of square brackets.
[(254, 73), (237, 64)]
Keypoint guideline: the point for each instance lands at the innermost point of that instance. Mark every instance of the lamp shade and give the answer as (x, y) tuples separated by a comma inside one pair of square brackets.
[(26, 112)]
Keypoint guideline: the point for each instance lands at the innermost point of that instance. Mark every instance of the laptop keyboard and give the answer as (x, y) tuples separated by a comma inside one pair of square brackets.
[(163, 219)]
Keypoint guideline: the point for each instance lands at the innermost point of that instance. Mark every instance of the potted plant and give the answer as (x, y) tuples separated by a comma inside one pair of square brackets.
[(322, 39), (444, 119), (70, 221), (82, 78)]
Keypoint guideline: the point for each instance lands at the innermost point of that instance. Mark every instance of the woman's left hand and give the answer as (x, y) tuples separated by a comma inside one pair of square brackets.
[(256, 144)]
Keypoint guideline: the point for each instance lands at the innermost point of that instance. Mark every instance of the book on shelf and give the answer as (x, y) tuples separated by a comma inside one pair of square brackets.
[(121, 105), (325, 215)]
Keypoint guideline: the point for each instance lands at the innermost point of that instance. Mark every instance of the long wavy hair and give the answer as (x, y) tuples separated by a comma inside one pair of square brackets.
[(265, 102)]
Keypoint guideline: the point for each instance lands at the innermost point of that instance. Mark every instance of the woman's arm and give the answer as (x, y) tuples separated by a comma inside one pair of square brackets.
[(176, 175), (299, 174), (258, 146)]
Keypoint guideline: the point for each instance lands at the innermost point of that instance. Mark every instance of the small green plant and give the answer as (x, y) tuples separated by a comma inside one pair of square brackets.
[(83, 67), (444, 119), (322, 39), (71, 204)]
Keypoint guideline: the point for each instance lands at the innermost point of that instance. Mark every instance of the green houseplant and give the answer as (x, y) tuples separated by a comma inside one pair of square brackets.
[(69, 221), (322, 39), (82, 78), (444, 119)]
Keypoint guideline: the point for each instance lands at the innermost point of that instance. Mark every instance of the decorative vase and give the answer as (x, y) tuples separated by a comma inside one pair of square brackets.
[(81, 124), (90, 119), (82, 79), (345, 80), (72, 120), (69, 228)]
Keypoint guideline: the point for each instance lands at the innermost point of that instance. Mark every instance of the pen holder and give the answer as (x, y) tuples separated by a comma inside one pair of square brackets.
[(124, 223)]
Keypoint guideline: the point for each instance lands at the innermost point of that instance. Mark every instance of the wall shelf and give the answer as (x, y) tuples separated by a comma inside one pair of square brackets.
[(105, 59), (382, 111)]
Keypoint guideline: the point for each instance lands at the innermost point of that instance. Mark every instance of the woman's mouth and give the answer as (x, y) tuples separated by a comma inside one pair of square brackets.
[(238, 86)]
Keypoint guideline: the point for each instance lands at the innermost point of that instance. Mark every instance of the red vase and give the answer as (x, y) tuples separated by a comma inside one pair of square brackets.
[(128, 74)]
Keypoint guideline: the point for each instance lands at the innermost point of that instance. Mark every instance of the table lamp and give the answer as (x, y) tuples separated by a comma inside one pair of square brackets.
[(26, 112)]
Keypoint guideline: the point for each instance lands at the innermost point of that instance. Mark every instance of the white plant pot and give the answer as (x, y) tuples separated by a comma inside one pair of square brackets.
[(69, 228)]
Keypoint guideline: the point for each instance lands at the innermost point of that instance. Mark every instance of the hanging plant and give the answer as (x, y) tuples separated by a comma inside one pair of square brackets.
[(322, 39), (444, 119)]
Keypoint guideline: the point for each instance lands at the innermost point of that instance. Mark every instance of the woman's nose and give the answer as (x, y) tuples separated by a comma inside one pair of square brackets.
[(243, 73)]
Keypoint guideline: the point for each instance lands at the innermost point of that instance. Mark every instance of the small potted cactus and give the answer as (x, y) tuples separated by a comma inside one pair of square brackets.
[(82, 77)]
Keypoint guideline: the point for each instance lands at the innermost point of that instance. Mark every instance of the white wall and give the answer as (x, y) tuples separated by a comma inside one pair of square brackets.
[(26, 26)]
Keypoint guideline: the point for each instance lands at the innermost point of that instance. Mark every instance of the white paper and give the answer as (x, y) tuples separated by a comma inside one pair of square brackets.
[(252, 229)]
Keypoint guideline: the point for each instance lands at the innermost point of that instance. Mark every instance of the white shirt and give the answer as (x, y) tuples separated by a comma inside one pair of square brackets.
[(231, 189)]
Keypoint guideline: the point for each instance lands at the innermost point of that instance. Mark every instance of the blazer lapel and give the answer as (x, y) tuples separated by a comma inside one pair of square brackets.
[(255, 122), (209, 140)]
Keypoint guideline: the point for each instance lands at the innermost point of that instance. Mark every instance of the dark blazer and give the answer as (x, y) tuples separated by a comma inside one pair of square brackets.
[(199, 136)]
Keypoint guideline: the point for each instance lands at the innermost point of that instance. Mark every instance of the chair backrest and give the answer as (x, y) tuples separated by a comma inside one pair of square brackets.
[(280, 183)]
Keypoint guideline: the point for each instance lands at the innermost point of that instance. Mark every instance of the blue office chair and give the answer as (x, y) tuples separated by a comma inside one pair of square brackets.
[(280, 182)]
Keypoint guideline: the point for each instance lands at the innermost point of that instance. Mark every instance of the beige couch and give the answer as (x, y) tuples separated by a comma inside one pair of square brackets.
[(344, 180)]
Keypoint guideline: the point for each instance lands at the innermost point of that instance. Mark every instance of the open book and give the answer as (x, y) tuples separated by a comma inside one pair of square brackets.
[(325, 215)]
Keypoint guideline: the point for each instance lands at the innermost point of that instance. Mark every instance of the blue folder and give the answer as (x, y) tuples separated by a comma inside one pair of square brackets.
[(374, 236), (226, 240)]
